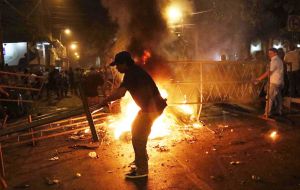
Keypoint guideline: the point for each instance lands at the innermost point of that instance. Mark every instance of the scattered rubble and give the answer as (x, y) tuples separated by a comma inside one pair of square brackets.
[(235, 162), (22, 186), (161, 148), (256, 178), (54, 158), (52, 181), (237, 142), (85, 146), (217, 177)]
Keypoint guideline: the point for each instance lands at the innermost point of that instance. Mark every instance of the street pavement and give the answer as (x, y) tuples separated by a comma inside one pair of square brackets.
[(232, 151)]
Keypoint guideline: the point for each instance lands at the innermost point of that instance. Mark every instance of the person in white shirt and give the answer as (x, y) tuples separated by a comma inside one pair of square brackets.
[(292, 59), (274, 107)]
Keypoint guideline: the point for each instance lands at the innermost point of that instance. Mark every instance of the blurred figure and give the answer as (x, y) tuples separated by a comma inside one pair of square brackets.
[(90, 85), (65, 83), (46, 83), (71, 80), (77, 78), (292, 59), (23, 62)]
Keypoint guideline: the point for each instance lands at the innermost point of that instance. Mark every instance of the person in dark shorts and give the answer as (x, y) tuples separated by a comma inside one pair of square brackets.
[(146, 95)]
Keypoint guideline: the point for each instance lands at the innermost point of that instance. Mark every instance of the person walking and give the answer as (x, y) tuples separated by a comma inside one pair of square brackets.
[(274, 106), (146, 95)]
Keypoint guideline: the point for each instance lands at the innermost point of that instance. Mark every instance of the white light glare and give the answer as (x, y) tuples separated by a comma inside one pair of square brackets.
[(277, 46), (174, 14)]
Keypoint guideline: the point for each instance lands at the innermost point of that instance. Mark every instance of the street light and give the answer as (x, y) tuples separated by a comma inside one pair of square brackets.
[(174, 14), (73, 46), (66, 31)]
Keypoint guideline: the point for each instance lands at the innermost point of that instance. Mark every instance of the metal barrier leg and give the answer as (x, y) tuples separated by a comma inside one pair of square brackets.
[(31, 130), (4, 120), (2, 174), (88, 115)]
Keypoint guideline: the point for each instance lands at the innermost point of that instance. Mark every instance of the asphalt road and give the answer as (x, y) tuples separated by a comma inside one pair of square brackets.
[(232, 151)]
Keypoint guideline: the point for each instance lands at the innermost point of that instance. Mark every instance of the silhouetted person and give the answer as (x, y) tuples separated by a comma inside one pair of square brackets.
[(145, 93)]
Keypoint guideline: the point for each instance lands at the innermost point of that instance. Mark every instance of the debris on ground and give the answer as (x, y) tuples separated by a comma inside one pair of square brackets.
[(161, 148), (237, 142), (222, 126), (256, 178), (235, 162), (22, 186), (243, 182), (80, 135), (85, 146), (78, 175), (217, 177), (190, 139), (54, 158), (93, 155), (52, 181)]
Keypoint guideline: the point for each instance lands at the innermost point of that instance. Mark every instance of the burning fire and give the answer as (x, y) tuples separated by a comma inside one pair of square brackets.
[(161, 127), (146, 56)]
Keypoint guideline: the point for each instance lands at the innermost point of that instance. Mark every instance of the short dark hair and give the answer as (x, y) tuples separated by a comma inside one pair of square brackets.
[(274, 50)]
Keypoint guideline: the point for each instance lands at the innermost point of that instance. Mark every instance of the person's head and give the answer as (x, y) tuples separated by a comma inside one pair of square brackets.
[(272, 52), (123, 61)]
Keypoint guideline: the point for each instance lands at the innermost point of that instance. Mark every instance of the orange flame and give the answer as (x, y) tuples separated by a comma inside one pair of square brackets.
[(146, 56), (161, 127)]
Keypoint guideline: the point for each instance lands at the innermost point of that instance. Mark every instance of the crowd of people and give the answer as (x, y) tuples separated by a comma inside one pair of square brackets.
[(284, 72), (47, 84)]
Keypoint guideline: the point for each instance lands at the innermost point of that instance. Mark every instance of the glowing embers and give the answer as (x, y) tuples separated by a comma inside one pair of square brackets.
[(274, 135)]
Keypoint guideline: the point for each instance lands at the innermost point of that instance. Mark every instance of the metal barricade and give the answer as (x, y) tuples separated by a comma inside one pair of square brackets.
[(202, 82), (20, 93)]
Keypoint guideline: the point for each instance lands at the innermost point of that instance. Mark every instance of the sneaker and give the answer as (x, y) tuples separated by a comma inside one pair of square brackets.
[(135, 175)]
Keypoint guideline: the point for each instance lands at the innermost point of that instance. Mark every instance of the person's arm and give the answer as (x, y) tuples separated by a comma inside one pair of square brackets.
[(272, 67), (262, 77), (115, 95)]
